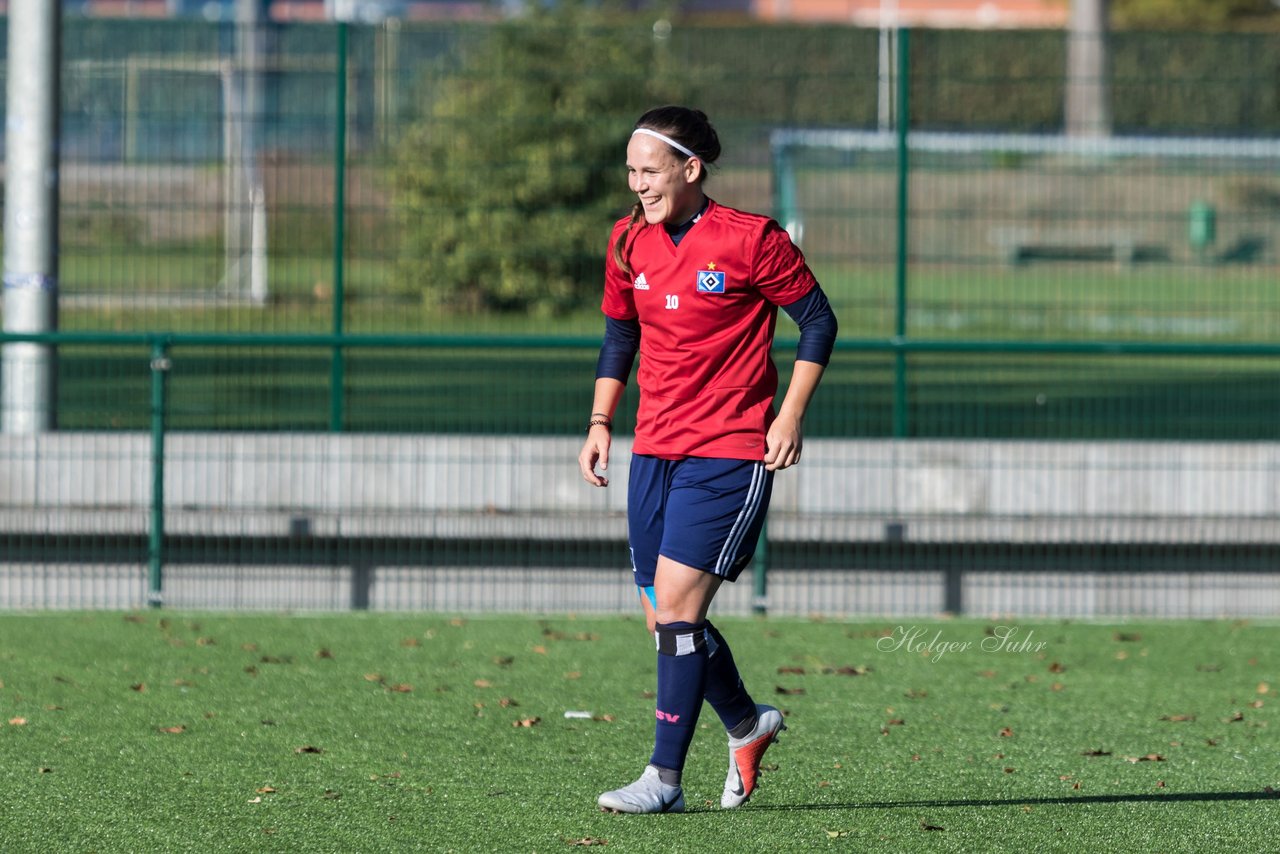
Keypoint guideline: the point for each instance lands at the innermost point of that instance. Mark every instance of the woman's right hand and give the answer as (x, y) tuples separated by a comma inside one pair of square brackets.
[(595, 450)]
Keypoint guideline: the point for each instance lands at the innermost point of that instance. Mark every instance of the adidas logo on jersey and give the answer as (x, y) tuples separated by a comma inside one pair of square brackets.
[(640, 284)]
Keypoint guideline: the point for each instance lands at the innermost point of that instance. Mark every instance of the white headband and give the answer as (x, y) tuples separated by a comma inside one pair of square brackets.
[(668, 140)]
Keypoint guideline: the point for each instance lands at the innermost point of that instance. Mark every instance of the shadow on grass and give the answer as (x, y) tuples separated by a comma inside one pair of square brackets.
[(1181, 797)]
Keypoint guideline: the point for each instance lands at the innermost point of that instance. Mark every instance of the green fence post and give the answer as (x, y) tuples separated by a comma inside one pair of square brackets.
[(160, 365), (901, 427), (784, 192), (337, 379)]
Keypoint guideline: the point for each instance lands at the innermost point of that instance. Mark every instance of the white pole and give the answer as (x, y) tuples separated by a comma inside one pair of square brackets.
[(888, 42), (258, 290), (28, 375), (1087, 109)]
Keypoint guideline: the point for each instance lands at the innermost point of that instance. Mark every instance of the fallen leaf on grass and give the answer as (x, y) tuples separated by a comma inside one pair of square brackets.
[(573, 674), (504, 660), (138, 686), (255, 800), (846, 670), (527, 722), (1095, 752), (913, 694), (173, 730), (1263, 688), (1159, 784), (267, 790), (401, 688), (1236, 718), (46, 770), (409, 643), (1177, 718), (331, 795), (1150, 757), (1127, 637), (924, 825), (324, 652), (308, 748), (482, 683), (787, 691), (586, 841), (1057, 668), (795, 671), (838, 834), (1009, 770), (1006, 732)]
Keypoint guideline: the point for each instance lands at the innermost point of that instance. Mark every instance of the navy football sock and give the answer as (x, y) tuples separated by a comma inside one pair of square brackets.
[(682, 681), (725, 691)]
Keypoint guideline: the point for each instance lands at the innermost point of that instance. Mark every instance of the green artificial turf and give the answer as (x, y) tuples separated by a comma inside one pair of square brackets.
[(343, 733)]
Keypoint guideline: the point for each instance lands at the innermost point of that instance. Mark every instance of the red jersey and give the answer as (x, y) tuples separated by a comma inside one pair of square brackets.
[(707, 310)]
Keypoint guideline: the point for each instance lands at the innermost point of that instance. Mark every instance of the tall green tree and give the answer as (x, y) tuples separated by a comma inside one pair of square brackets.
[(509, 185)]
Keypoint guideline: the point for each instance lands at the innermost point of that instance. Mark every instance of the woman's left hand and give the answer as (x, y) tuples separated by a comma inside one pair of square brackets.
[(782, 443)]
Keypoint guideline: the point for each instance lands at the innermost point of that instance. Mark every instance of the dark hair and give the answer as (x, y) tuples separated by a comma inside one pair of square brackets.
[(690, 128)]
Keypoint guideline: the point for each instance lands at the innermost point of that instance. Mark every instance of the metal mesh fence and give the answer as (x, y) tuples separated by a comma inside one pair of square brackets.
[(1055, 390)]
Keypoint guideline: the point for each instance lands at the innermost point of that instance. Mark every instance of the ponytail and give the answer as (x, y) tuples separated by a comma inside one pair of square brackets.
[(637, 214)]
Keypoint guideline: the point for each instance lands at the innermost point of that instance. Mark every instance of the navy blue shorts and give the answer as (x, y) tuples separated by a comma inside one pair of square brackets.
[(704, 513)]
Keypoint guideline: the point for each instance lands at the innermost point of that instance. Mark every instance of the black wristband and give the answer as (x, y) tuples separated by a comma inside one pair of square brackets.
[(600, 422)]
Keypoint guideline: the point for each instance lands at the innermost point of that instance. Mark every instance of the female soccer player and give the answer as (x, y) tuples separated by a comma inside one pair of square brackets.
[(694, 286)]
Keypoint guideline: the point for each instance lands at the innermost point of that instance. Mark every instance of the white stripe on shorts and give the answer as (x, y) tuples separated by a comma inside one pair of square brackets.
[(745, 517)]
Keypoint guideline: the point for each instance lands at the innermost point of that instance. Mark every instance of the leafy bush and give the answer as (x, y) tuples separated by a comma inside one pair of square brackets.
[(509, 185)]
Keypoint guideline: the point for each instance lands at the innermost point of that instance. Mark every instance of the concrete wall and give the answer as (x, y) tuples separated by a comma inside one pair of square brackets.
[(446, 485)]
